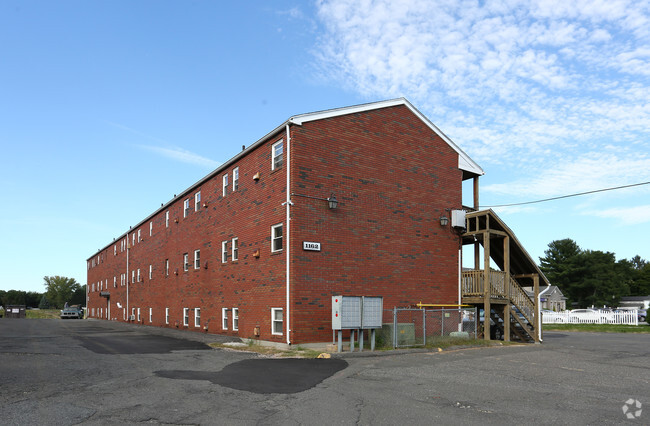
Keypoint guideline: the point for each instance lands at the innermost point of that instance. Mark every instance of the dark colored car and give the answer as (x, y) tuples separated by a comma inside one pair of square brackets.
[(641, 314)]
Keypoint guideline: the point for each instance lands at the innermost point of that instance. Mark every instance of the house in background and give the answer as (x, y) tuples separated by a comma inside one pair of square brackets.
[(351, 201), (635, 302), (552, 299)]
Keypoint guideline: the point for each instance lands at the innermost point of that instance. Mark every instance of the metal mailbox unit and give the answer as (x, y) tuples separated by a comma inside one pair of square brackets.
[(356, 313)]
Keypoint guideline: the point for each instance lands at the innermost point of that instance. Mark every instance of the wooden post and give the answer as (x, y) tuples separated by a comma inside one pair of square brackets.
[(506, 288), (476, 192), (487, 290)]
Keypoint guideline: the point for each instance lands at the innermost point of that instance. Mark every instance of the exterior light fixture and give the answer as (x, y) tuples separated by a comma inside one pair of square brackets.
[(332, 202), (444, 220)]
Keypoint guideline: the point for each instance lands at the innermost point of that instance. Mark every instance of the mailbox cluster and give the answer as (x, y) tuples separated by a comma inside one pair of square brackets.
[(356, 313)]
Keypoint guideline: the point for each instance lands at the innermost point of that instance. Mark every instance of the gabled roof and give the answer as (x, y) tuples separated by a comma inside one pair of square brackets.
[(465, 163)]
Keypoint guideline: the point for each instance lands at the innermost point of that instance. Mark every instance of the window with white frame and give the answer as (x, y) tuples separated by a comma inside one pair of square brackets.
[(150, 229), (167, 219), (138, 314), (276, 154), (224, 251), (276, 321), (114, 281), (166, 267), (186, 316), (224, 318), (133, 313), (93, 287), (139, 239), (166, 315), (197, 259), (225, 184), (197, 317), (235, 179), (132, 276), (150, 314), (132, 239), (197, 201), (186, 264), (235, 249), (115, 250), (186, 207), (150, 271), (235, 319), (276, 238), (138, 274)]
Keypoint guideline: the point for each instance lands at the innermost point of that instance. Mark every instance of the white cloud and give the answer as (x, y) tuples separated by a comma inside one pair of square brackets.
[(626, 216), (183, 155)]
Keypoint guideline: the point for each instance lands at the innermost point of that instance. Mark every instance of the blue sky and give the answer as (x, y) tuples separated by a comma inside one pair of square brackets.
[(109, 108)]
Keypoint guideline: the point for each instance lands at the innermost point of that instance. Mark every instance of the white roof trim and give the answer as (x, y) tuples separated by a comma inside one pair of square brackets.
[(464, 161)]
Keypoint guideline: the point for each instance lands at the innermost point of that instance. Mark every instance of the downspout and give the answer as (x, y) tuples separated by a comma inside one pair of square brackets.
[(288, 233), (539, 311), (127, 276)]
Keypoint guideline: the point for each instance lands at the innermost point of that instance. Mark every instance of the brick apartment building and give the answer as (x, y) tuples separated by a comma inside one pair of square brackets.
[(230, 254)]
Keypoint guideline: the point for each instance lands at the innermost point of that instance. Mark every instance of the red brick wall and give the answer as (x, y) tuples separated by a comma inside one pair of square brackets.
[(393, 178)]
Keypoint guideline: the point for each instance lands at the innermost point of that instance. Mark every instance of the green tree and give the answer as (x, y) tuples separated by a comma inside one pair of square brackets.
[(60, 290), (558, 264), (44, 303)]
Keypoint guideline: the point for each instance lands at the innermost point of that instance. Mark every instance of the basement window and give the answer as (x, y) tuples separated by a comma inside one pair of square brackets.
[(276, 321), (224, 318), (186, 316), (166, 315), (235, 319), (197, 317)]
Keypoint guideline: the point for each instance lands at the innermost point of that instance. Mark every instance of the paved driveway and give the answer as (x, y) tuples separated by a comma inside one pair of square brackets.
[(93, 372)]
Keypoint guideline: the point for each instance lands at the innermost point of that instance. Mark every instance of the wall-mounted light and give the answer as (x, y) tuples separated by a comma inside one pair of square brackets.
[(332, 202), (444, 220)]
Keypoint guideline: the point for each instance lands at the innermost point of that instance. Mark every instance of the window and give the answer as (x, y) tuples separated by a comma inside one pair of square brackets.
[(166, 315), (133, 313), (150, 314), (138, 274), (114, 281), (167, 219), (150, 271), (186, 316), (133, 241), (186, 264), (93, 287), (115, 250), (224, 318), (276, 320), (186, 207), (132, 276), (224, 251), (235, 319), (150, 229), (276, 238), (139, 239), (225, 184), (235, 179), (276, 154), (166, 267), (197, 259), (138, 314), (197, 317), (235, 249), (197, 201)]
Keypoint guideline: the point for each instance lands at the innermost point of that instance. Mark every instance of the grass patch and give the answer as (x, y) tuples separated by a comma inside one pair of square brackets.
[(598, 328), (43, 314), (447, 342), (294, 352)]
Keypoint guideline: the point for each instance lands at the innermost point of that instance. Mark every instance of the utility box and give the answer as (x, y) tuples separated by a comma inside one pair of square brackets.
[(355, 312), (372, 312), (346, 312), (458, 218)]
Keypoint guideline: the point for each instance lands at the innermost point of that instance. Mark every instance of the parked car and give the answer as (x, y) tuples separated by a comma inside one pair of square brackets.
[(72, 312), (641, 314)]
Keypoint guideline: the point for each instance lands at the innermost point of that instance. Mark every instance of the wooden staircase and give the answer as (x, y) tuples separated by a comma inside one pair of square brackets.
[(500, 292)]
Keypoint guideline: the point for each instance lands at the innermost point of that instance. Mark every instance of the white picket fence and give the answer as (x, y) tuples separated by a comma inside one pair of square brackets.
[(597, 317)]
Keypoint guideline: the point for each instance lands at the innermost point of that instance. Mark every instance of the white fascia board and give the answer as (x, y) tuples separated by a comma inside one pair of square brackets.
[(464, 161)]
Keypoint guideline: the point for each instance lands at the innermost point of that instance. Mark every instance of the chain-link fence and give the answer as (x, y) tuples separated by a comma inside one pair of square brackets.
[(414, 327)]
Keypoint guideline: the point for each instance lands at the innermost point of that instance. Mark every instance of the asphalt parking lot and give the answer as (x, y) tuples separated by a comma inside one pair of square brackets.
[(93, 372)]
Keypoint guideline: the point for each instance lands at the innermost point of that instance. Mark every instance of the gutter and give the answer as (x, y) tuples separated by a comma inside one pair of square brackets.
[(288, 205)]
